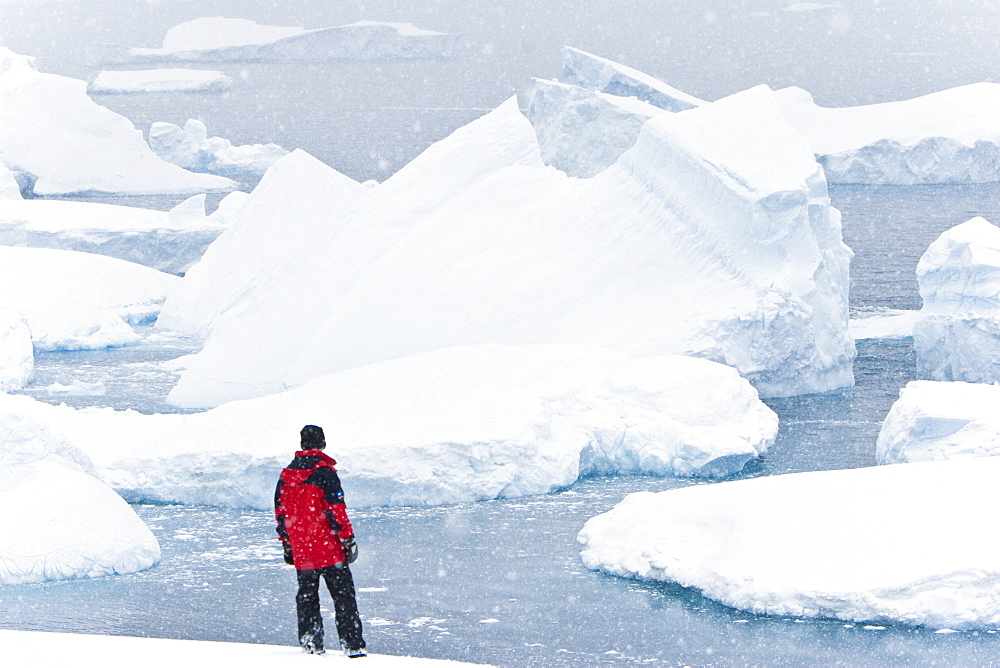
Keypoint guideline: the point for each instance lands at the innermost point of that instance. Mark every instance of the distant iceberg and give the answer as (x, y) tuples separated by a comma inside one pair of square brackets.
[(812, 545), (957, 333), (58, 141), (167, 80), (950, 136), (219, 39), (190, 147)]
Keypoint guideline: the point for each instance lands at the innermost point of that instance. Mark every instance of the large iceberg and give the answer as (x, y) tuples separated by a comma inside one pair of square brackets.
[(190, 147), (168, 241), (220, 39), (934, 420), (62, 522), (702, 239), (79, 301), (57, 141), (165, 80), (950, 136), (957, 336), (448, 426), (820, 544), (17, 357)]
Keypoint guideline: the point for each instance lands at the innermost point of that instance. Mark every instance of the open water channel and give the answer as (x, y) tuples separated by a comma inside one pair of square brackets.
[(501, 582)]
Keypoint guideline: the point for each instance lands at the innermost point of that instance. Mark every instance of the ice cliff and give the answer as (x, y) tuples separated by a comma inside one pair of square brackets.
[(702, 239)]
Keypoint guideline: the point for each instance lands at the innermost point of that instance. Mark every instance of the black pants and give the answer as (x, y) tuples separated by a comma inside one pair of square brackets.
[(341, 585)]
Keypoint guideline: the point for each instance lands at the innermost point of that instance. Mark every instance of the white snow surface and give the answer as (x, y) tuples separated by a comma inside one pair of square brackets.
[(702, 239), (935, 420), (17, 357), (814, 545), (221, 39), (167, 241), (68, 524), (957, 336), (950, 136), (71, 650), (165, 80), (79, 301), (9, 188), (190, 147), (53, 132), (448, 426)]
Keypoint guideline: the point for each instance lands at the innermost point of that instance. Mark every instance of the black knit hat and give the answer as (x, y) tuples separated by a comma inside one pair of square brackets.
[(312, 437)]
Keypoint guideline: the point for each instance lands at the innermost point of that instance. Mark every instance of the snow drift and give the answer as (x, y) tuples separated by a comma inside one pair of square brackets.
[(449, 426), (702, 239), (934, 421), (79, 301), (167, 241), (950, 136), (957, 336), (67, 523), (783, 545), (17, 357), (60, 142), (190, 147), (219, 39), (166, 80)]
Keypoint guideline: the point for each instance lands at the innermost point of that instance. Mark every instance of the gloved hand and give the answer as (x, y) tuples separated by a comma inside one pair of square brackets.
[(350, 550), (288, 552)]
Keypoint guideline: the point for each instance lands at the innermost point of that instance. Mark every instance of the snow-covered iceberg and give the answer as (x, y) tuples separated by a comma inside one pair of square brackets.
[(190, 147), (220, 39), (62, 522), (79, 301), (165, 80), (702, 239), (169, 241), (957, 336), (820, 544), (951, 136), (17, 357), (449, 426), (934, 420), (58, 141)]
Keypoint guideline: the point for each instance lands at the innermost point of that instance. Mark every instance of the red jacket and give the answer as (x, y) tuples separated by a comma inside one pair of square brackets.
[(309, 506)]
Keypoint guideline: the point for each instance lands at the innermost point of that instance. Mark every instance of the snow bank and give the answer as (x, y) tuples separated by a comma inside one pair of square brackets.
[(933, 421), (219, 39), (63, 142), (79, 301), (167, 241), (950, 136), (9, 188), (68, 524), (191, 148), (68, 650), (702, 239), (17, 358), (957, 336), (166, 80), (783, 545), (449, 426)]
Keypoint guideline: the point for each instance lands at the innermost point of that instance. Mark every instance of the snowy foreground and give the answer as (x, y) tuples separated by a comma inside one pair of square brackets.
[(820, 544), (449, 426), (71, 650), (934, 421), (60, 142)]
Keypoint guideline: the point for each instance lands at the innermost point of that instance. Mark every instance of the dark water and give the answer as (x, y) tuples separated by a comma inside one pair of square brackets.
[(501, 582)]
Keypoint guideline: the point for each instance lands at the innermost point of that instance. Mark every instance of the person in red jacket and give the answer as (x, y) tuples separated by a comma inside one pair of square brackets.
[(318, 540)]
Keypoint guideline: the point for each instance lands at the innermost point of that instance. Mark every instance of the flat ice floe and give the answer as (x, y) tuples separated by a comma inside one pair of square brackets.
[(702, 239), (166, 80), (937, 420), (909, 544), (957, 335), (61, 142), (79, 301), (449, 426), (63, 522), (169, 241)]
